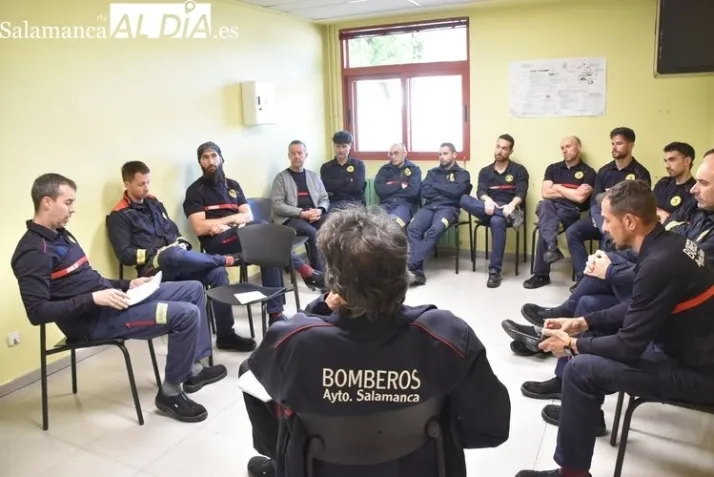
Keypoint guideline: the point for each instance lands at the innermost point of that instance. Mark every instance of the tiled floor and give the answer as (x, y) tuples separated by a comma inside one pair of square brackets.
[(95, 433)]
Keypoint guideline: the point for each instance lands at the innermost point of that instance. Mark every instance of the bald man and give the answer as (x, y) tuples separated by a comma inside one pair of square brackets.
[(398, 184), (567, 186)]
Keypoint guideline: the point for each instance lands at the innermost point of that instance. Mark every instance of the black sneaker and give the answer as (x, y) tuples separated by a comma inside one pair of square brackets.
[(519, 348), (574, 286), (260, 466), (208, 375), (416, 278), (234, 342), (536, 282), (551, 415), (494, 279), (552, 255), (550, 389), (180, 407), (316, 281), (518, 332), (536, 315), (516, 219)]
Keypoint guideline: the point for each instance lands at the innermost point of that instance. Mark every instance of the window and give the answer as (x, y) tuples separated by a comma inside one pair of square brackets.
[(407, 83)]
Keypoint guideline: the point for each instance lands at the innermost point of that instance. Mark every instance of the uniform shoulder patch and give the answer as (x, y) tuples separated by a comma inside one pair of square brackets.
[(121, 205)]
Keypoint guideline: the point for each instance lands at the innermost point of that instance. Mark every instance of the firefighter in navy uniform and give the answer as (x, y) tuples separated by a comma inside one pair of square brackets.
[(398, 184), (623, 167), (673, 191), (143, 235), (659, 344), (441, 190), (365, 333), (344, 176), (58, 285), (215, 207)]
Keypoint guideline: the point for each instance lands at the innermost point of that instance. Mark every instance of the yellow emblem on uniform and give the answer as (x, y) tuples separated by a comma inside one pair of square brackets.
[(509, 178), (407, 172), (676, 200), (233, 193), (350, 168), (579, 175), (451, 177), (630, 177)]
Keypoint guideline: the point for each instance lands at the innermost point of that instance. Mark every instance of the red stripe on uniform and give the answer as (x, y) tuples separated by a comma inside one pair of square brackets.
[(221, 206), (303, 194), (70, 269), (694, 302), (503, 187), (570, 186)]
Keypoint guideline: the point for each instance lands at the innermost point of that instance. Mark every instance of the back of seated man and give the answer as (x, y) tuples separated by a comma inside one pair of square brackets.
[(441, 191), (300, 201), (502, 189), (344, 176), (567, 186), (143, 235), (623, 167), (58, 285), (398, 185), (363, 327), (609, 283), (215, 207)]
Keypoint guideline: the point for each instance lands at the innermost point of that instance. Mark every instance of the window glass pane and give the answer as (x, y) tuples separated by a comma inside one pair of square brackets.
[(426, 46), (378, 111), (437, 112)]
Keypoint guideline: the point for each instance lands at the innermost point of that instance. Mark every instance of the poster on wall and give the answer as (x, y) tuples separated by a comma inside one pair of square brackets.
[(557, 87)]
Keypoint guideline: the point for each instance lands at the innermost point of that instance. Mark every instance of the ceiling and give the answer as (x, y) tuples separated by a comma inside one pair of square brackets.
[(337, 10)]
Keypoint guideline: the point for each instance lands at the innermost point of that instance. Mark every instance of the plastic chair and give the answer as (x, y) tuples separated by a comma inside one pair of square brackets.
[(534, 242), (226, 294), (518, 239), (633, 404), (372, 439)]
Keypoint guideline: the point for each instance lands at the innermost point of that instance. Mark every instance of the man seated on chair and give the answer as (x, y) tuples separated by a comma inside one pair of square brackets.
[(344, 176), (567, 186), (609, 279), (143, 235), (623, 167), (660, 344), (395, 356), (441, 191), (57, 285), (673, 190), (502, 189), (215, 207), (398, 184), (300, 200)]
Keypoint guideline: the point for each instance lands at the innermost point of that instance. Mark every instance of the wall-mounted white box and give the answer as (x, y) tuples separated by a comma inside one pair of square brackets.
[(258, 102)]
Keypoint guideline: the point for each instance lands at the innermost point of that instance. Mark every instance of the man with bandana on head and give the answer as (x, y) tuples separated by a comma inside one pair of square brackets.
[(215, 206)]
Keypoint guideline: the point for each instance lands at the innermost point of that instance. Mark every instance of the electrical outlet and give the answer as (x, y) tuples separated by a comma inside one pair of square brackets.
[(13, 339)]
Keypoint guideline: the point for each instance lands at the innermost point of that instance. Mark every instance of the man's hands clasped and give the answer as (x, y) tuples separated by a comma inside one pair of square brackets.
[(560, 333)]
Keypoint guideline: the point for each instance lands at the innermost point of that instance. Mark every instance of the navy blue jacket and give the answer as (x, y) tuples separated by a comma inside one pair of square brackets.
[(444, 187), (389, 180), (441, 356), (673, 309), (344, 182), (608, 176), (56, 281), (138, 230)]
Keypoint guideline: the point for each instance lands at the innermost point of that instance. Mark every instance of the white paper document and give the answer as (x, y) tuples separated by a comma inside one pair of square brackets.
[(145, 290), (248, 383), (249, 297), (557, 87)]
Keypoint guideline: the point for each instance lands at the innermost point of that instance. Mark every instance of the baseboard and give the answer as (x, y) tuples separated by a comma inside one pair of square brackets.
[(58, 365)]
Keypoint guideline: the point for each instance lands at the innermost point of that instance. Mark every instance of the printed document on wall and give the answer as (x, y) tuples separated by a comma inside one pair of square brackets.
[(557, 87)]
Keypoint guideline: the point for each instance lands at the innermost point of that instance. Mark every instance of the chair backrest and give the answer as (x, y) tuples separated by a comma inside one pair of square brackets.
[(262, 208), (374, 438), (266, 245)]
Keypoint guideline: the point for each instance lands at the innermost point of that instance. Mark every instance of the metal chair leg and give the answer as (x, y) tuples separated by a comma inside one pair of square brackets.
[(293, 280), (264, 317), (132, 383), (634, 404), (43, 377), (250, 321), (153, 363), (518, 249), (73, 358), (534, 239), (616, 421)]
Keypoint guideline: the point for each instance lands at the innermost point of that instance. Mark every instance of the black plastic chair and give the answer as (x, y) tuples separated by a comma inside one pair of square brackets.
[(372, 439), (226, 294), (518, 239), (472, 251), (634, 403), (262, 208), (534, 238), (72, 346)]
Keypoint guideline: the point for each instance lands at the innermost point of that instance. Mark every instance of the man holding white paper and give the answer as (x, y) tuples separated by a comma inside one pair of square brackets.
[(360, 351), (58, 285)]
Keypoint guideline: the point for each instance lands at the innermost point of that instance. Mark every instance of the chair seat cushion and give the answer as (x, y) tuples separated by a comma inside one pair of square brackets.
[(226, 294)]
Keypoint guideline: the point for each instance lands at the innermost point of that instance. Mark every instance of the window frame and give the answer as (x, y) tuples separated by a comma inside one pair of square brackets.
[(349, 77)]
